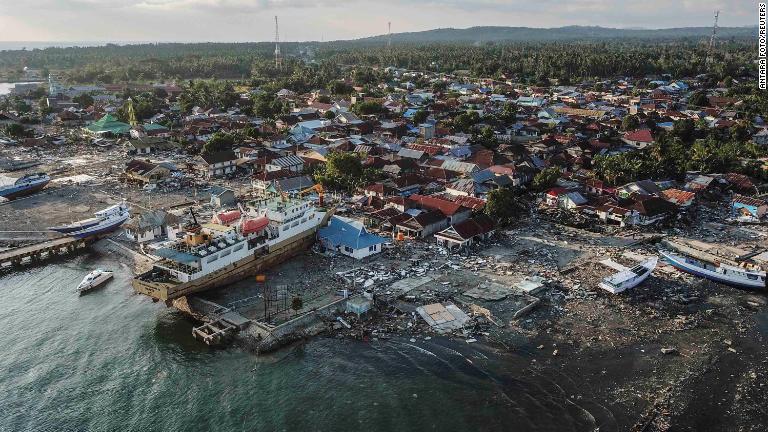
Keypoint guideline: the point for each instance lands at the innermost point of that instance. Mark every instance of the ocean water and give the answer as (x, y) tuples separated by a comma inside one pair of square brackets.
[(114, 361)]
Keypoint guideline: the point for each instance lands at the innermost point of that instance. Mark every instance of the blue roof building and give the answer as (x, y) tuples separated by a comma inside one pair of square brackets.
[(350, 238), (410, 112)]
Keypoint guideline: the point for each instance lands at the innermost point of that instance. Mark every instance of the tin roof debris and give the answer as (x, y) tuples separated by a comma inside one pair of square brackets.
[(444, 318)]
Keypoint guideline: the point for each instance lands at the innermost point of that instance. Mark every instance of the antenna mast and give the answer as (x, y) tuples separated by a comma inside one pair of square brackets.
[(389, 34), (278, 54), (711, 48)]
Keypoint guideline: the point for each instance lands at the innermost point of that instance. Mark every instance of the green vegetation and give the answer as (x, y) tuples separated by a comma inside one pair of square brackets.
[(250, 132), (297, 304), (368, 108), (577, 54), (219, 142), (679, 151), (629, 123), (464, 122), (208, 94), (145, 105), (698, 99), (546, 178), (344, 171), (84, 100), (267, 105), (486, 138), (420, 116), (505, 207), (15, 130)]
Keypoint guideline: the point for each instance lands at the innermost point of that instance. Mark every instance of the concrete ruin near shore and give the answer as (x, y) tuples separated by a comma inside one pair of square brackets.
[(221, 324)]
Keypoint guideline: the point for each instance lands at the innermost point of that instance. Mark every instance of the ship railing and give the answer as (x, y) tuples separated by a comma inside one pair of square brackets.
[(175, 265)]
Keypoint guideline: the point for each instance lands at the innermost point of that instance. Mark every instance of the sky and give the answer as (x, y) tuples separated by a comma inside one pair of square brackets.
[(302, 20)]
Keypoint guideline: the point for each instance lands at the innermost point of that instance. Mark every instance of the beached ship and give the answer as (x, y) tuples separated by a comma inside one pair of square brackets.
[(212, 255), (629, 278), (103, 221), (11, 188), (735, 276)]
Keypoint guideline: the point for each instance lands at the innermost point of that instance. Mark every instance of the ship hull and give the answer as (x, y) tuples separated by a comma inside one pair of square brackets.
[(680, 264), (96, 229), (72, 228), (234, 272), (14, 193)]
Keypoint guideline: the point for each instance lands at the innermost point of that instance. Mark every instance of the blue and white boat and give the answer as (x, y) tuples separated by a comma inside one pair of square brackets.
[(11, 188), (104, 221), (723, 273)]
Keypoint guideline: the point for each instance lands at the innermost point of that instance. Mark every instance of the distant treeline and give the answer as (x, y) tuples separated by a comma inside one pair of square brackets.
[(525, 61), (560, 60)]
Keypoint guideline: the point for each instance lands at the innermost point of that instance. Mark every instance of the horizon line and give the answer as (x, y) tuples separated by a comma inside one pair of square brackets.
[(137, 42)]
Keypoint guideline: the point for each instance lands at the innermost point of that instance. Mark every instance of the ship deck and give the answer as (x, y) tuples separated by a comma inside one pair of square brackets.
[(167, 290)]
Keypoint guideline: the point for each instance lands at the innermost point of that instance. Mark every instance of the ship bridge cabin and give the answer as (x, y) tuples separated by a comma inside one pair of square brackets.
[(284, 212), (201, 253)]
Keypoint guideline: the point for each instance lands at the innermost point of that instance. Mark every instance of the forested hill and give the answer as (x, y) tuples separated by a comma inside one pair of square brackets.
[(520, 34)]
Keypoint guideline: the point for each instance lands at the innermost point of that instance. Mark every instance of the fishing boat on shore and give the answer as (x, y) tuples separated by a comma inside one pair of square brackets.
[(734, 276), (629, 277), (11, 188), (103, 221), (94, 280)]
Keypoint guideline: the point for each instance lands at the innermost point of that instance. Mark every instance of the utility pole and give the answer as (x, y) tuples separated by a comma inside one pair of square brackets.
[(711, 48), (278, 54)]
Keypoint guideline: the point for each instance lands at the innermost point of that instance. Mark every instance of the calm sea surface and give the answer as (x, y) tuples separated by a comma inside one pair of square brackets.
[(114, 361)]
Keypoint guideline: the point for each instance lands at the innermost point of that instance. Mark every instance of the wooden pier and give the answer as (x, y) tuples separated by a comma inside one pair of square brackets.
[(34, 253)]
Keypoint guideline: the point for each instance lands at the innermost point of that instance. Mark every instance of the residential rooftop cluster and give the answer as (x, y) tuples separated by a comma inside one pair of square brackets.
[(425, 153)]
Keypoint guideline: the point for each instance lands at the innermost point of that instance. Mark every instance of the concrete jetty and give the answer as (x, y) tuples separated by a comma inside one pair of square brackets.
[(37, 252)]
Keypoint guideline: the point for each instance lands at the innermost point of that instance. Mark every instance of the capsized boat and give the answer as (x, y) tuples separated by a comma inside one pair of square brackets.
[(104, 221), (629, 277), (11, 188), (94, 279), (734, 276)]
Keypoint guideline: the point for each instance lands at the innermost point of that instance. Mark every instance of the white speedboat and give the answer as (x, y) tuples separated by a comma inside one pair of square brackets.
[(94, 279), (629, 277), (726, 274)]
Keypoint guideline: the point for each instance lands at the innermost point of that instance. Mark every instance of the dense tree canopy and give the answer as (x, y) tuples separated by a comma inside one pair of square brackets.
[(368, 108), (505, 207), (673, 155), (208, 94), (344, 171), (527, 62), (219, 142), (546, 178)]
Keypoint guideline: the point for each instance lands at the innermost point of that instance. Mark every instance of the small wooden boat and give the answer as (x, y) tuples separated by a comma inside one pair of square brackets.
[(94, 279), (629, 277)]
